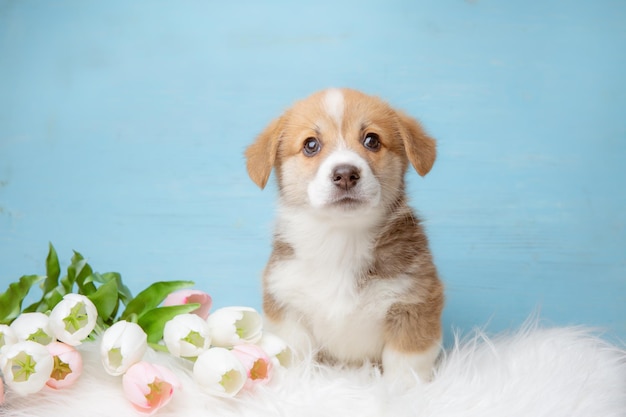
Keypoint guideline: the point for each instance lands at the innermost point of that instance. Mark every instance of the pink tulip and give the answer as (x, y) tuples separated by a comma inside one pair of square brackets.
[(149, 387), (68, 365), (188, 297), (1, 391), (257, 363)]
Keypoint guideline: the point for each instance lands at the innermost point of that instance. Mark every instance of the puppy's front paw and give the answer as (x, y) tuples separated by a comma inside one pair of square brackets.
[(403, 370)]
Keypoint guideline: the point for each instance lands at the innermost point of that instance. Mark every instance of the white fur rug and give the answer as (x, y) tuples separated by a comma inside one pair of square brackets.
[(535, 372)]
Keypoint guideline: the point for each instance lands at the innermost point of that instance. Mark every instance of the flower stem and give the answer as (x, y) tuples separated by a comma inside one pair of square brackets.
[(158, 347)]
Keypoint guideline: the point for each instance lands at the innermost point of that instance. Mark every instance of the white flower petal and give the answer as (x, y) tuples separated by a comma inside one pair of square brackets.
[(277, 349), (122, 345), (7, 336), (73, 319), (34, 327), (26, 367), (231, 326), (186, 335), (219, 372)]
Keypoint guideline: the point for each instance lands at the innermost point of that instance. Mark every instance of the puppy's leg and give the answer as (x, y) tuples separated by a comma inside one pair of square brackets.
[(413, 342), (405, 368)]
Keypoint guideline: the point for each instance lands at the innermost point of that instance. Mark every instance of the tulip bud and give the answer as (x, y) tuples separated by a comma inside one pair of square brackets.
[(232, 326), (73, 319), (189, 297), (68, 365), (277, 349), (219, 372), (257, 363), (149, 387), (122, 345), (34, 327), (26, 366), (7, 336), (186, 335)]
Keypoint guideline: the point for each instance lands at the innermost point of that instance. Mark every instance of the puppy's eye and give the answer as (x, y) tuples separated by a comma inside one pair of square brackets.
[(311, 146), (372, 142)]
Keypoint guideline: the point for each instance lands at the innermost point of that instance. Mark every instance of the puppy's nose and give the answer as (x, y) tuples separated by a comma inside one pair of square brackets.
[(345, 176)]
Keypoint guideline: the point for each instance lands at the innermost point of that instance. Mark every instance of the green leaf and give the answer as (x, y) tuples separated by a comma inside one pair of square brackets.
[(124, 293), (80, 271), (52, 298), (67, 283), (53, 270), (152, 297), (11, 300), (47, 302), (51, 295), (153, 321), (76, 266), (106, 300)]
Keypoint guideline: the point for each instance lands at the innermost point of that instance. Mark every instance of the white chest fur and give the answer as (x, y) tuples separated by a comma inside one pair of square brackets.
[(323, 285)]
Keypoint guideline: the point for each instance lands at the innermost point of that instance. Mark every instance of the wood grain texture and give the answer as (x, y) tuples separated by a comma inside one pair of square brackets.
[(123, 125)]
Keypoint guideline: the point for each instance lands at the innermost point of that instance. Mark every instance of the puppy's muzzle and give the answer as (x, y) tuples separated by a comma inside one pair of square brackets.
[(345, 176)]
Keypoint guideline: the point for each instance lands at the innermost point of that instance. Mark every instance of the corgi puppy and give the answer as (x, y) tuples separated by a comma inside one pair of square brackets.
[(350, 277)]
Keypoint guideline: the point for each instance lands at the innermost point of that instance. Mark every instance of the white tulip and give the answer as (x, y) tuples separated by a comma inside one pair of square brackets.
[(26, 366), (73, 319), (122, 345), (230, 326), (277, 349), (219, 372), (34, 327), (186, 335), (7, 336)]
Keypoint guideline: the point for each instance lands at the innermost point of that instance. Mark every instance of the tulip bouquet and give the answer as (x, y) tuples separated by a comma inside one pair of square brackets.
[(226, 350)]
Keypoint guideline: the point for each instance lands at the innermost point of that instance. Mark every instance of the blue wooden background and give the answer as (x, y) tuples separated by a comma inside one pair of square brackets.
[(122, 128)]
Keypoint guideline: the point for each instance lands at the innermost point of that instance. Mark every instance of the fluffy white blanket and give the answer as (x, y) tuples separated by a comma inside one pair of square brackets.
[(534, 372)]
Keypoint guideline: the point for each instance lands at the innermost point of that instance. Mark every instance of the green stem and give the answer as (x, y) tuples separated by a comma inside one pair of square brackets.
[(158, 347)]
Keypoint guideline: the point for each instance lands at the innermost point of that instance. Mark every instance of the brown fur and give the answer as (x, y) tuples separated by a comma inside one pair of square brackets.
[(272, 308), (402, 248)]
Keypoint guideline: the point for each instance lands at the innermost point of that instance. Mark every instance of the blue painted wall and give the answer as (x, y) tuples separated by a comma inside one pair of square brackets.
[(122, 128)]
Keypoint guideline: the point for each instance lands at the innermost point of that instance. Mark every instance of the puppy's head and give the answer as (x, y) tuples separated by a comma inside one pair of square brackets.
[(340, 149)]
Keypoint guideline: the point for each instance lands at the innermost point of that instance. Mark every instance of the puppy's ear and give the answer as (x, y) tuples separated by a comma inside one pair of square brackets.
[(262, 153), (420, 148)]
